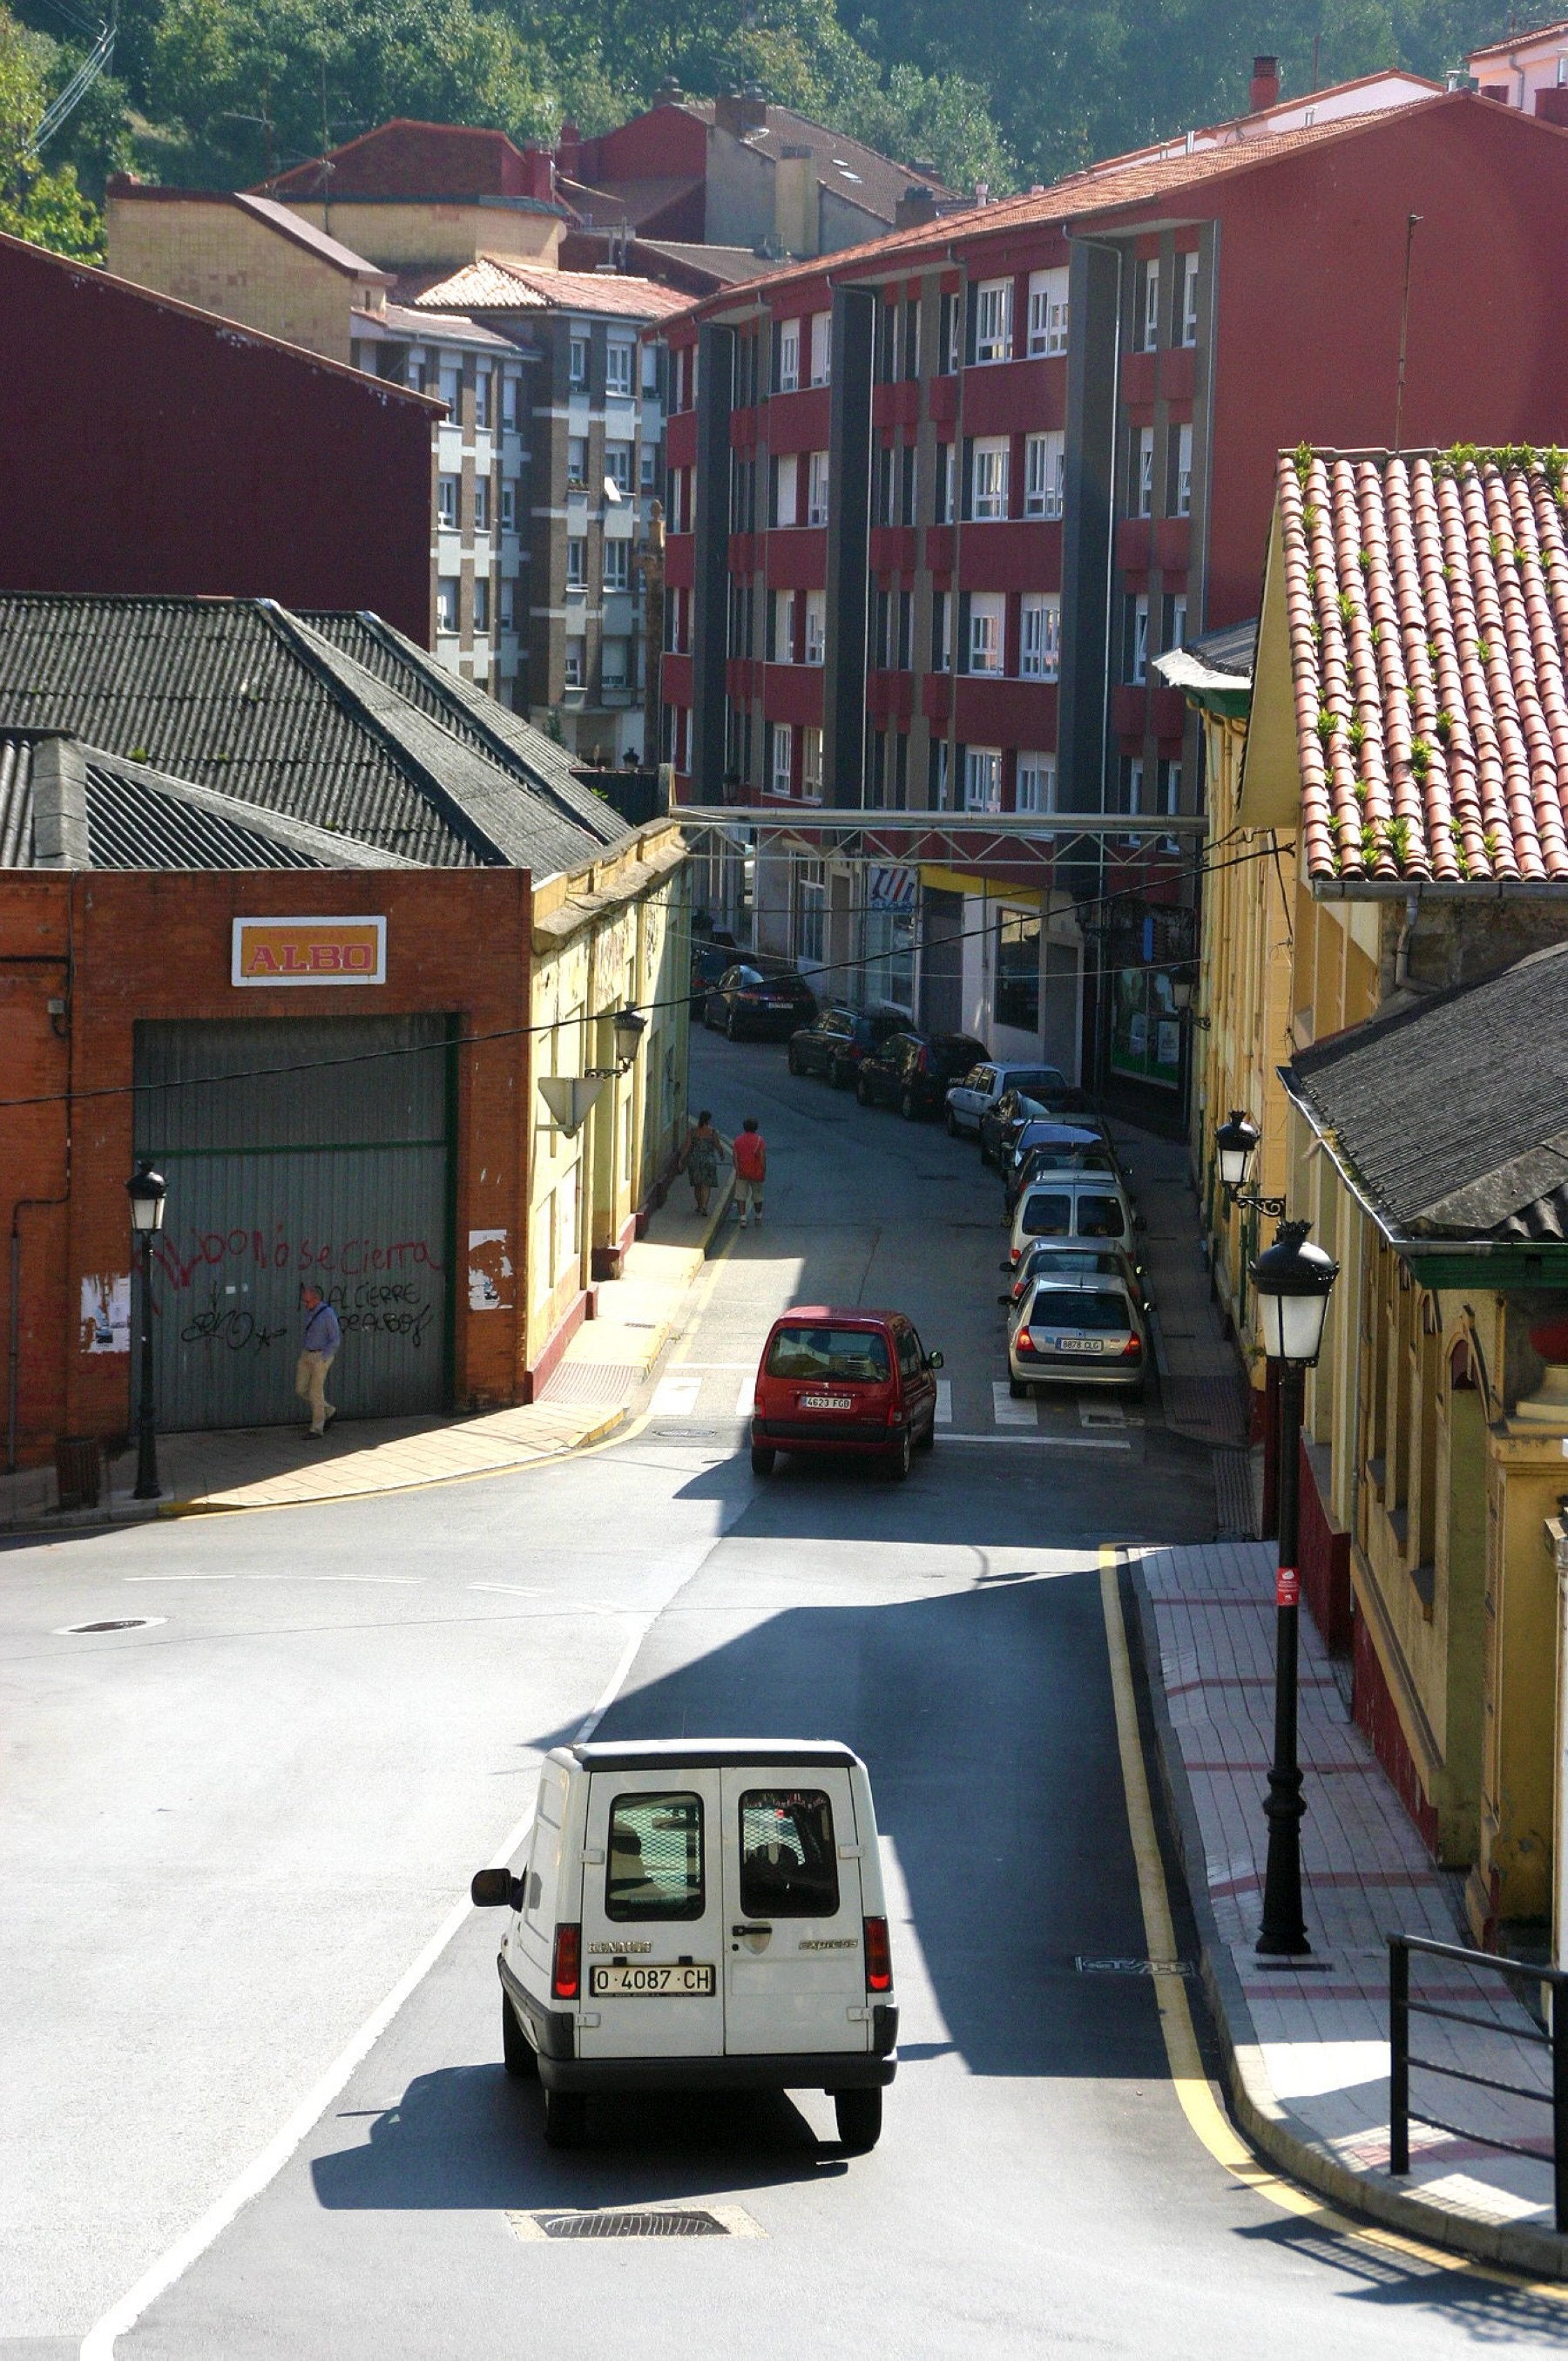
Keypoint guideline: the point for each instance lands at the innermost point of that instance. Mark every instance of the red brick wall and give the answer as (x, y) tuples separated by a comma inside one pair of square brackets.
[(140, 945)]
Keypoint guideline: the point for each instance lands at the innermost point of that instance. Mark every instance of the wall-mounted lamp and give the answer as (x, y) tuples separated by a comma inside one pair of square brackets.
[(570, 1097)]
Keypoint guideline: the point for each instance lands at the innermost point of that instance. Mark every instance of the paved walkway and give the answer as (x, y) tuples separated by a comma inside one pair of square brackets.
[(211, 1472)]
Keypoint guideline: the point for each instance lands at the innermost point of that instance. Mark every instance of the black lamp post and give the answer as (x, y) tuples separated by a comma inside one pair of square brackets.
[(146, 1190)]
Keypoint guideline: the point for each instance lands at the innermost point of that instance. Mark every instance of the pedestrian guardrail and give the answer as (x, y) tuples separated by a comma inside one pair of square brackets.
[(1401, 2008)]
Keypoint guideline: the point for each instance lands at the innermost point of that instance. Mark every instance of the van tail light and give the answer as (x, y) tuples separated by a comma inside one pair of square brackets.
[(878, 1957), (1024, 1341), (1132, 1350), (1014, 1252), (565, 1974)]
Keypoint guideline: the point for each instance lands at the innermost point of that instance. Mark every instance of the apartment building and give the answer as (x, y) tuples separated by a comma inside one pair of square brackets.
[(1527, 70), (937, 504), (596, 433)]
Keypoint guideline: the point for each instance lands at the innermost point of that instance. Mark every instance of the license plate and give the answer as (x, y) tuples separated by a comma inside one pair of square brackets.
[(828, 1401), (687, 1983), (1078, 1344)]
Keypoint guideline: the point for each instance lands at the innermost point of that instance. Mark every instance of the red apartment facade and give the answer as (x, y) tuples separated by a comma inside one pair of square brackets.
[(937, 504)]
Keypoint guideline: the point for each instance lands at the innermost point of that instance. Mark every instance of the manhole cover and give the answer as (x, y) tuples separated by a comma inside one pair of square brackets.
[(639, 2222), (119, 1623)]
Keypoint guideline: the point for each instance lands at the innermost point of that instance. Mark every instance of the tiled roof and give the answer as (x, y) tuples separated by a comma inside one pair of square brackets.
[(495, 283), (728, 264), (851, 170), (1427, 604), (449, 327), (1452, 1118), (1521, 40), (610, 202)]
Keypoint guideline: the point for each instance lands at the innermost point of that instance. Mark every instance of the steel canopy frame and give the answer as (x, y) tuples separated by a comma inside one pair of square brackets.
[(975, 841)]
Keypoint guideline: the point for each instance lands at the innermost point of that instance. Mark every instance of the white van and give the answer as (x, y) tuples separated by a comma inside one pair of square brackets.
[(1071, 1205), (699, 1914)]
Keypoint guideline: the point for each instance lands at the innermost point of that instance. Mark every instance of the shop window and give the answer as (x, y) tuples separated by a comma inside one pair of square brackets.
[(1018, 970)]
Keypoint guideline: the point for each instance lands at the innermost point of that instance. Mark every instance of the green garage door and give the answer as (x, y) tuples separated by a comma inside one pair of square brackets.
[(285, 1164)]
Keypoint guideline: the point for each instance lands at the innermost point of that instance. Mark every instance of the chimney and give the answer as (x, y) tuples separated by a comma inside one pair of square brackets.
[(669, 94), (1264, 88), (740, 111), (1551, 103), (538, 174), (915, 207), (568, 150)]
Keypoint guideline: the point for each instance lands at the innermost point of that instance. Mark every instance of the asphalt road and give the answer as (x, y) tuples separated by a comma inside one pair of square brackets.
[(225, 1839)]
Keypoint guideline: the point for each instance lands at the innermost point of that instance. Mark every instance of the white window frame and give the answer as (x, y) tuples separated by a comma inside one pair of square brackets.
[(988, 634), (1134, 785), (613, 680), (509, 602), (943, 640), (982, 778), (1040, 635), (577, 362), (617, 457), (786, 479), (947, 483), (617, 561), (815, 627), (783, 626), (993, 320), (481, 503), (1140, 648), (575, 661), (789, 356), (990, 460), (576, 561), (482, 398), (1036, 784), (576, 462), (509, 506), (817, 478), (781, 759), (811, 763), (1143, 473), (810, 910), (647, 466), (1148, 324), (449, 502), (1184, 470), (619, 366), (821, 347), (1048, 312), (1190, 299), (1044, 473), (1178, 619), (450, 382), (1168, 789), (481, 597), (448, 603)]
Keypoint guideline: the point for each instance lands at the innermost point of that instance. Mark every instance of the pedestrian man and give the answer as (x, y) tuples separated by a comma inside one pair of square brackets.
[(751, 1155), (318, 1347), (699, 1159)]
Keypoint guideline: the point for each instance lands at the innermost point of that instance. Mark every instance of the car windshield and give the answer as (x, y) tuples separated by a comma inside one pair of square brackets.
[(843, 1356), (1047, 1215), (1046, 1258), (1099, 1217), (1055, 1308), (1041, 1077)]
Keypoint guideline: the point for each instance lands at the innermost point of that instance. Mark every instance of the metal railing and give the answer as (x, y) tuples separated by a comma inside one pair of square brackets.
[(1401, 2008)]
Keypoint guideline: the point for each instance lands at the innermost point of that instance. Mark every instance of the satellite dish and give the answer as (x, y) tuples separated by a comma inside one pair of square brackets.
[(570, 1099)]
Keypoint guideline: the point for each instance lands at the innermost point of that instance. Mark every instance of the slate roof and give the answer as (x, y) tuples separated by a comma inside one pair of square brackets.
[(851, 170), (497, 284), (279, 712), (1427, 605), (1453, 1116)]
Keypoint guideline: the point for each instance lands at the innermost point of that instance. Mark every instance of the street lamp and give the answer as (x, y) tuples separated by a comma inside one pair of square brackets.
[(570, 1097), (1235, 1144), (146, 1190), (1292, 1280)]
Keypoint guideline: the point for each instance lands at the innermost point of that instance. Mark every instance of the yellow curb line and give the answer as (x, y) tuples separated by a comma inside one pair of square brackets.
[(1190, 2082)]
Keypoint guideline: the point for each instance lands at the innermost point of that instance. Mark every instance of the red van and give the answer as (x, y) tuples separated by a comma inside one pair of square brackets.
[(844, 1380)]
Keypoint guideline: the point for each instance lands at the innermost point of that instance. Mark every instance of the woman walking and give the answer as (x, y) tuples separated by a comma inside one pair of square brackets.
[(699, 1159)]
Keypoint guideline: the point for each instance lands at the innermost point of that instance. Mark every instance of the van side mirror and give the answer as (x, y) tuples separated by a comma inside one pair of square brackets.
[(1005, 1266), (496, 1889)]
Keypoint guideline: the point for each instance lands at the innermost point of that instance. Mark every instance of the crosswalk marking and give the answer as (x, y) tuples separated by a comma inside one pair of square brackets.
[(675, 1395), (944, 1401), (1008, 1412), (746, 1397)]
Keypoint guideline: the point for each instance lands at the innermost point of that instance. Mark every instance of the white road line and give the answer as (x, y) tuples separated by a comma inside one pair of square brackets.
[(399, 1581), (512, 1589), (1008, 1412), (944, 1401), (718, 1365), (1044, 1441), (675, 1396), (746, 1400), (98, 2344)]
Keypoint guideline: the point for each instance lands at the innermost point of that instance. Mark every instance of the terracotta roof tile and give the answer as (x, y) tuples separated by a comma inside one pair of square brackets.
[(492, 284), (1426, 599)]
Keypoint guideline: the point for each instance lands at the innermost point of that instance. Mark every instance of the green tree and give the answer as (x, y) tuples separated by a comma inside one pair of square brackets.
[(44, 205)]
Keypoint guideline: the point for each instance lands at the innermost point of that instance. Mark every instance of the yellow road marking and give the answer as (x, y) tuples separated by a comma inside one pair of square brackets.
[(1202, 2110)]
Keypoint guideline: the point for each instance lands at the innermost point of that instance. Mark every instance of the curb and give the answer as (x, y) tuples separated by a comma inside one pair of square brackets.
[(1272, 2128)]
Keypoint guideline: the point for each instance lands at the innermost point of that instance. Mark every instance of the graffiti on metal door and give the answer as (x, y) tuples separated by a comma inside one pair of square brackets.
[(379, 1287)]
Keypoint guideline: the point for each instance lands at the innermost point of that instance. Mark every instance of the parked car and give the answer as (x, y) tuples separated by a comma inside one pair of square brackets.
[(1047, 1256), (1016, 1105), (840, 1038), (1080, 1329), (759, 995), (709, 961), (1071, 1205), (698, 1913), (1055, 1147), (832, 1380), (911, 1070), (972, 1093)]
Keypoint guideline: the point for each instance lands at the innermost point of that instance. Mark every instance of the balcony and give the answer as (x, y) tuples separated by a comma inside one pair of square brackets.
[(940, 541), (1135, 544), (1172, 544), (893, 548)]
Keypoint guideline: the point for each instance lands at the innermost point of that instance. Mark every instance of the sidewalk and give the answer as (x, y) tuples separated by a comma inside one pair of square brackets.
[(212, 1472)]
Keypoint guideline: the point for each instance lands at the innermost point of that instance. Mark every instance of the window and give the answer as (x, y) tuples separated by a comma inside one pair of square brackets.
[(447, 592), (789, 356), (618, 565), (781, 768), (481, 503), (942, 631), (509, 508), (810, 898), (987, 617), (651, 369), (982, 778), (1170, 788), (1018, 970), (784, 626), (481, 602), (1132, 783), (849, 1355), (1146, 328), (786, 476), (815, 627), (617, 466), (948, 336), (482, 397), (821, 347), (906, 460), (577, 657), (576, 562), (577, 460), (451, 381), (816, 509), (577, 361), (811, 765), (1039, 640), (1138, 641), (1037, 790), (946, 482), (653, 1869), (991, 458), (1044, 473), (1047, 311), (448, 492), (993, 320), (903, 653), (937, 778), (912, 337), (1143, 467), (647, 468), (1178, 472), (511, 405), (615, 664), (1189, 287), (789, 1865), (1175, 632), (619, 359), (509, 604)]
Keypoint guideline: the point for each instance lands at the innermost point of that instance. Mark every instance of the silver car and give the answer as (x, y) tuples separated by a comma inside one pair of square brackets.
[(1079, 1329)]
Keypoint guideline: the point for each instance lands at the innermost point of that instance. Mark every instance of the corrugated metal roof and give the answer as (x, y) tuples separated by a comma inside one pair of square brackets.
[(131, 826), (16, 804)]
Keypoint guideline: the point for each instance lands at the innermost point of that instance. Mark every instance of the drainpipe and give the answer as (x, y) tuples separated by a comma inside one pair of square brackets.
[(1402, 943)]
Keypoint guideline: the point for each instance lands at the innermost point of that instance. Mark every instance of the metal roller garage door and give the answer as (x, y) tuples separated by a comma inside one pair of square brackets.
[(337, 1173)]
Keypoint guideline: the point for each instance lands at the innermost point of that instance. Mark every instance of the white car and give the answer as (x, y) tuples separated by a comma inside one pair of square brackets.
[(1078, 1328), (699, 1914), (984, 1085)]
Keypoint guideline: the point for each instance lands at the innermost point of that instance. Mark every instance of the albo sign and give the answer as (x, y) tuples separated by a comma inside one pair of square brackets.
[(309, 951)]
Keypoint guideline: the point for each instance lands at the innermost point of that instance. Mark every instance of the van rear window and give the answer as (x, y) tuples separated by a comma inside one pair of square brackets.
[(1099, 1217), (655, 1858), (850, 1356), (1047, 1216), (789, 1868)]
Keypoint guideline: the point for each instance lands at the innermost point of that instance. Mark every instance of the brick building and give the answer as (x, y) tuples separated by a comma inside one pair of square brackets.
[(937, 504)]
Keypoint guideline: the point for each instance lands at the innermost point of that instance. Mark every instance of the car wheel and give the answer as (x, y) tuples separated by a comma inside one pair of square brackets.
[(927, 1442), (1017, 1388), (859, 2119), (907, 1108), (518, 2053), (792, 1060), (763, 1460), (566, 2118), (899, 1462), (862, 1096)]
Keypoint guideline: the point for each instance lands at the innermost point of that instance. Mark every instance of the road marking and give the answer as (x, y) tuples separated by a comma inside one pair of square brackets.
[(1008, 1412), (675, 1396), (1044, 1441), (1188, 2078), (399, 1581), (944, 1401), (718, 1365), (512, 1589), (746, 1400)]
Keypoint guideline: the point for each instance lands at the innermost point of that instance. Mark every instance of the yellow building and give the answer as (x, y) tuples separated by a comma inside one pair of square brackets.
[(244, 256), (1388, 850)]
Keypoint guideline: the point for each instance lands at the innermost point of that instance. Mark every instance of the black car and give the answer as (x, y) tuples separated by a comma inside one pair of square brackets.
[(759, 995), (1016, 1106), (709, 961), (840, 1037), (911, 1070)]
